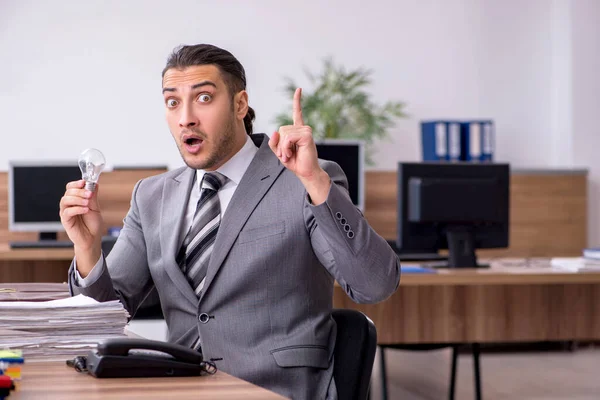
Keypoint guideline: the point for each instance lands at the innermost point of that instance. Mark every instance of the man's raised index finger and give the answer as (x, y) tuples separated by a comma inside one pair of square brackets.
[(297, 116)]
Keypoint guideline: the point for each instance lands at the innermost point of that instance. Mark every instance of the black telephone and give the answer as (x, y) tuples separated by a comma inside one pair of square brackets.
[(125, 357)]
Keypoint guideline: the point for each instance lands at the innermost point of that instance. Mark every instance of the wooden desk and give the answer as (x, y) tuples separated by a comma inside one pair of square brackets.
[(6, 253), (57, 381), (34, 265), (486, 306), (452, 306)]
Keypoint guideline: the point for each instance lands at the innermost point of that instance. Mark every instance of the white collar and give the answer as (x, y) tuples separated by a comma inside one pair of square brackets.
[(236, 166)]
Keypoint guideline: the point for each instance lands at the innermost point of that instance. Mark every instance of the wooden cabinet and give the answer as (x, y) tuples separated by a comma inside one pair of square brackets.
[(548, 211)]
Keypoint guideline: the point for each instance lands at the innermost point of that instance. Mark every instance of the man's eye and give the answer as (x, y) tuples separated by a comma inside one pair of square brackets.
[(203, 98), (171, 103)]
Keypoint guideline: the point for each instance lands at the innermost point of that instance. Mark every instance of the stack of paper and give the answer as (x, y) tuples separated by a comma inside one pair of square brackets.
[(592, 253), (576, 264), (59, 329), (33, 291)]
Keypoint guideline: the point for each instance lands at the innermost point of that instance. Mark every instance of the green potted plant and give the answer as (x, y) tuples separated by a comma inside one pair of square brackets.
[(339, 107)]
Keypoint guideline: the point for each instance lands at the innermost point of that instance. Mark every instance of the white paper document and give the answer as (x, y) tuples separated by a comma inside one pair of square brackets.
[(59, 329)]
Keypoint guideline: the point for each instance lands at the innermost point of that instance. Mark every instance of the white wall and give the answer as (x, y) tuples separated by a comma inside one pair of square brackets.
[(515, 78), (87, 73), (586, 102)]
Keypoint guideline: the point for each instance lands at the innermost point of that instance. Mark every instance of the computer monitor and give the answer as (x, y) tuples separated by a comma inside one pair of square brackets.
[(34, 193), (456, 206), (350, 156)]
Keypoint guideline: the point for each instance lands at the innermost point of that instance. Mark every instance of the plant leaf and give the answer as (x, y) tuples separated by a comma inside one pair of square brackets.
[(339, 105)]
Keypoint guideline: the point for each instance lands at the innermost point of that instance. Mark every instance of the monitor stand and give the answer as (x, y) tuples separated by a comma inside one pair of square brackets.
[(47, 240), (461, 248)]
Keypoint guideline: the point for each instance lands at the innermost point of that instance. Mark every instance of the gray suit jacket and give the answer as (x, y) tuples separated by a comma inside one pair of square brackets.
[(264, 313)]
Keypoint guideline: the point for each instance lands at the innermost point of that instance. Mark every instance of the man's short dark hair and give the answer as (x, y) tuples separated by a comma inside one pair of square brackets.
[(231, 69)]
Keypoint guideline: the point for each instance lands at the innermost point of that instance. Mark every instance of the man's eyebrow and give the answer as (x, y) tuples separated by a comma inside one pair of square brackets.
[(204, 83), (195, 86)]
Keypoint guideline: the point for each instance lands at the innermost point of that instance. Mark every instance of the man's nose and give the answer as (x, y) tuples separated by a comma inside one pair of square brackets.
[(188, 118)]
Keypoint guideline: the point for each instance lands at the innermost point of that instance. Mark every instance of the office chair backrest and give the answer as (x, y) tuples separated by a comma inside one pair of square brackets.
[(354, 353)]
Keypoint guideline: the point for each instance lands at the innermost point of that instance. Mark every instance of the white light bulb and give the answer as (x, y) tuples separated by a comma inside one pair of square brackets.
[(91, 163)]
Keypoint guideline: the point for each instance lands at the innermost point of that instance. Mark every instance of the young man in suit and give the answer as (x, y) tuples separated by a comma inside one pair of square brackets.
[(244, 243)]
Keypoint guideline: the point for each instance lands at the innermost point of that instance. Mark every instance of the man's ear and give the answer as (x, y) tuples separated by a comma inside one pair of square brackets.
[(240, 101)]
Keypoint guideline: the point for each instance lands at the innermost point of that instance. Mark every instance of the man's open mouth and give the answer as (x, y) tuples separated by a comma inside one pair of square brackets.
[(192, 141)]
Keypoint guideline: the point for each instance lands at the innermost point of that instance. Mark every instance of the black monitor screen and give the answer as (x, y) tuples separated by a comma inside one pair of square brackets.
[(349, 156), (36, 192), (456, 206)]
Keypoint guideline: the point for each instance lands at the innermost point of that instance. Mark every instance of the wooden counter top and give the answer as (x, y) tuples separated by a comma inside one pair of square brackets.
[(6, 253), (54, 380)]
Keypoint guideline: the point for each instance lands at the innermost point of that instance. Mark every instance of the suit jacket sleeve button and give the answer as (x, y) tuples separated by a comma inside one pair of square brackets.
[(338, 215), (350, 234), (203, 318)]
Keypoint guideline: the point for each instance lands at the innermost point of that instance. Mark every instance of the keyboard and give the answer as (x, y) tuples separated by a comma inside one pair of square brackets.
[(421, 257), (416, 256), (41, 244)]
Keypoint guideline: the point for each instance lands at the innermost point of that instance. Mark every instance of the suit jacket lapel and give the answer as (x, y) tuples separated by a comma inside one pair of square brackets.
[(176, 194), (260, 175)]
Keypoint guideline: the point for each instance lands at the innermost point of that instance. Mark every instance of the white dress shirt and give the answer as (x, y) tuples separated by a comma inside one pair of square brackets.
[(234, 169)]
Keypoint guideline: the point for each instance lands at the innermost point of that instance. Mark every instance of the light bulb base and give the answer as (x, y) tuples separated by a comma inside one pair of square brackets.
[(91, 186)]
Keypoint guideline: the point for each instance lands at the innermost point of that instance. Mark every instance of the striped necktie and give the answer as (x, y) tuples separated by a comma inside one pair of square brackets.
[(197, 247)]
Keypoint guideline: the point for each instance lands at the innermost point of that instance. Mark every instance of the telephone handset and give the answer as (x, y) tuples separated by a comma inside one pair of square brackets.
[(126, 357)]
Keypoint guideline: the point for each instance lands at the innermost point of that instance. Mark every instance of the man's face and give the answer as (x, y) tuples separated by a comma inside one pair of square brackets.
[(202, 117)]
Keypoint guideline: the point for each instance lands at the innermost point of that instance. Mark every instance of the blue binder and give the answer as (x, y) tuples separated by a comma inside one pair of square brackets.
[(488, 141), (434, 141), (477, 140), (471, 141), (454, 141), (441, 140)]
